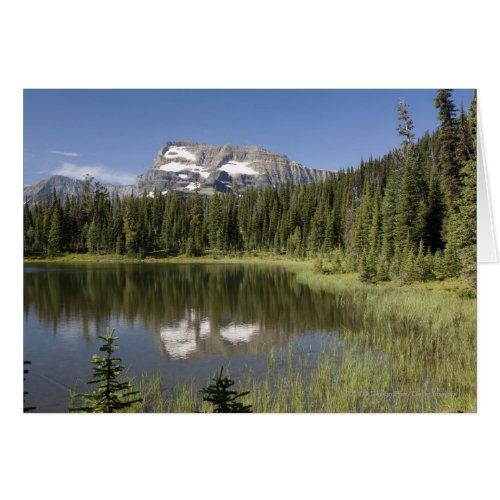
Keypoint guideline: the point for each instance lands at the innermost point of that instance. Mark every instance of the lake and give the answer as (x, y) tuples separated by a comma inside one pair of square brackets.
[(181, 320)]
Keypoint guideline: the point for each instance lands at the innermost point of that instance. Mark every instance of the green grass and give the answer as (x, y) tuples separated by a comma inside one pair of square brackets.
[(424, 335), (255, 257), (425, 331)]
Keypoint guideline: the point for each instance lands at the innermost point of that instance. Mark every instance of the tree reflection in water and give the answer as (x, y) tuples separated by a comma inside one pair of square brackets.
[(191, 310)]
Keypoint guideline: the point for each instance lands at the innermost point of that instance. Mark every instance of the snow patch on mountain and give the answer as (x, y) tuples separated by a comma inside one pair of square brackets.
[(238, 167), (175, 166), (179, 152)]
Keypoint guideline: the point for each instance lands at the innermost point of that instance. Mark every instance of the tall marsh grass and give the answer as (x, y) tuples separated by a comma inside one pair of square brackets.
[(426, 332)]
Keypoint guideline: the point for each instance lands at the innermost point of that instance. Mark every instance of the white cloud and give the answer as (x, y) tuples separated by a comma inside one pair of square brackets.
[(63, 153), (99, 172)]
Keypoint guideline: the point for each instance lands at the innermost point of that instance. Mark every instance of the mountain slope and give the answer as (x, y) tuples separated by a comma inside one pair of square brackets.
[(189, 165), (66, 186), (186, 166)]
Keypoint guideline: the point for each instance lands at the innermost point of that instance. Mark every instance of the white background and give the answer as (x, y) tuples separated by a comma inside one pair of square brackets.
[(432, 44)]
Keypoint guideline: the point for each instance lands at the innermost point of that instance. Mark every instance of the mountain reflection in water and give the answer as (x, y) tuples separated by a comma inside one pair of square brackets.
[(181, 320), (181, 339)]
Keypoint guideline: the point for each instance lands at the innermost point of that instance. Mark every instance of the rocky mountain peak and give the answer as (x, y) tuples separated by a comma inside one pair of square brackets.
[(187, 166)]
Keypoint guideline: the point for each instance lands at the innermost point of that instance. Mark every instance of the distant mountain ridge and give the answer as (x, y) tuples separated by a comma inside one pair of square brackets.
[(67, 187), (188, 166)]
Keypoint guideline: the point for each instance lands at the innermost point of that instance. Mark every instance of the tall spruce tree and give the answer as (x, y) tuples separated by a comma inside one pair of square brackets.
[(435, 214), (375, 229), (362, 223), (466, 230), (448, 139), (92, 238), (405, 125), (411, 196), (215, 222), (389, 218), (54, 238), (194, 245)]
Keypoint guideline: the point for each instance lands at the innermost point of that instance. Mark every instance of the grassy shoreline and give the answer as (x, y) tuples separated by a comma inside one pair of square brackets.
[(302, 268), (425, 332), (150, 259)]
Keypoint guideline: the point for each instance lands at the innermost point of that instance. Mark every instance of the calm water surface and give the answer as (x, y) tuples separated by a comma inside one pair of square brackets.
[(183, 320)]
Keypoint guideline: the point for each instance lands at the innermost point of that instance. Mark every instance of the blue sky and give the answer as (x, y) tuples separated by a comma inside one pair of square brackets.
[(115, 134)]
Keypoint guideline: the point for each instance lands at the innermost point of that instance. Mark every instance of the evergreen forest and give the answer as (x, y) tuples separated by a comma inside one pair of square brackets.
[(407, 216)]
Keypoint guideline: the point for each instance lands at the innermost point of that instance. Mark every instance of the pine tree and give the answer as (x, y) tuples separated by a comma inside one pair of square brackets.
[(430, 264), (367, 269), (409, 272), (389, 218), (337, 260), (421, 264), (465, 139), (362, 223), (68, 225), (196, 245), (112, 395), (411, 199), (420, 224), (448, 139), (451, 262), (317, 231), (295, 243), (190, 250), (120, 244), (435, 214), (473, 123), (438, 266), (92, 237), (222, 398), (405, 125), (54, 239), (28, 230), (215, 225), (466, 230), (375, 228), (130, 225)]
